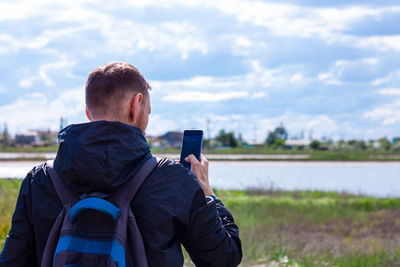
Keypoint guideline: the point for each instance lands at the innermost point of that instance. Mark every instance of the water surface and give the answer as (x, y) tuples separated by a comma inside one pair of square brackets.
[(380, 179)]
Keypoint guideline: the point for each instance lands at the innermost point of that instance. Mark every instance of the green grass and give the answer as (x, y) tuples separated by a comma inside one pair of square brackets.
[(316, 228), (52, 148), (9, 189), (306, 228)]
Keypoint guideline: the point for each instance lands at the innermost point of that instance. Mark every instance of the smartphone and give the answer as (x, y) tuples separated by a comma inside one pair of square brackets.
[(191, 144)]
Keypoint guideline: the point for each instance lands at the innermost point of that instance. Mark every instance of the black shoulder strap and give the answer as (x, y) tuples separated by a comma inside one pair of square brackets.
[(127, 191), (65, 195)]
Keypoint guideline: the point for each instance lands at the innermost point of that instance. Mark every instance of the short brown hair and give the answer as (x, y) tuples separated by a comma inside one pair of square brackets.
[(107, 87)]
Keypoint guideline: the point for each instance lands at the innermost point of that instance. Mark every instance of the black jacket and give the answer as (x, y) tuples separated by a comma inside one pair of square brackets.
[(170, 207)]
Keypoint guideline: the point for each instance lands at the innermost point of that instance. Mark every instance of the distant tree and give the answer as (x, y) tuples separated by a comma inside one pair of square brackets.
[(279, 133), (206, 143), (233, 142), (47, 137), (385, 144), (371, 144), (270, 138), (396, 145), (352, 142), (240, 140), (341, 144), (315, 144), (362, 144), (279, 143), (227, 139), (357, 144), (149, 142), (6, 136)]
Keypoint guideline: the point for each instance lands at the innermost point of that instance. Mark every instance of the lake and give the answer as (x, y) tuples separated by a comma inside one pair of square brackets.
[(379, 179)]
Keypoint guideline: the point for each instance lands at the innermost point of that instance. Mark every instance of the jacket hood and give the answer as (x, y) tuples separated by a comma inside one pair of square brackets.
[(100, 156)]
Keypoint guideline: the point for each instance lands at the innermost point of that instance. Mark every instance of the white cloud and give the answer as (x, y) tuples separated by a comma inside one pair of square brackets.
[(8, 44), (373, 61), (12, 44), (334, 75), (328, 24), (19, 10), (158, 125), (35, 110), (198, 82), (119, 35), (27, 82), (388, 114), (62, 66), (237, 44), (330, 77), (167, 37), (243, 41), (252, 85), (196, 96), (291, 20), (380, 43), (389, 91), (280, 19), (392, 77), (298, 77), (258, 95)]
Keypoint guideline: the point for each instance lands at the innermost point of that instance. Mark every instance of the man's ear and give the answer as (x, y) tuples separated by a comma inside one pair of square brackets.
[(135, 107), (88, 114)]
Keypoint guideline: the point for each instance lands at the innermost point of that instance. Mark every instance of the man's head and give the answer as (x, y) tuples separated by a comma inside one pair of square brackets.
[(117, 91)]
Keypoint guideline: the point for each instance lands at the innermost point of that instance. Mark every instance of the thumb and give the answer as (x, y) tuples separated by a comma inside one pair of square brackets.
[(191, 158)]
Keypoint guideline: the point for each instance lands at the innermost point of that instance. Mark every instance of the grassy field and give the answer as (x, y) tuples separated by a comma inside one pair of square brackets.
[(9, 189), (315, 228), (52, 148), (295, 228)]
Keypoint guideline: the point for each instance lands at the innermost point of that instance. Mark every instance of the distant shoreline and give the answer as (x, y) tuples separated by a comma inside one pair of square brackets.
[(37, 161), (43, 156)]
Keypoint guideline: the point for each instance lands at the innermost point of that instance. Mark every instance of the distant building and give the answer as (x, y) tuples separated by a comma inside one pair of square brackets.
[(396, 140), (154, 141), (48, 137), (296, 143), (28, 139), (172, 139), (376, 145)]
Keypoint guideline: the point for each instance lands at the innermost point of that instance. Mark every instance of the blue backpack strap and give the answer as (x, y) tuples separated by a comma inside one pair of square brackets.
[(94, 203), (100, 247), (65, 195), (127, 191)]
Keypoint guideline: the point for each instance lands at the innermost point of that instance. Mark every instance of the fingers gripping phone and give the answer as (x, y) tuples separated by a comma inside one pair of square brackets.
[(191, 144)]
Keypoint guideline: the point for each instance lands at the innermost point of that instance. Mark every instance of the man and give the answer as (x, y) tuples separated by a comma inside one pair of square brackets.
[(173, 206)]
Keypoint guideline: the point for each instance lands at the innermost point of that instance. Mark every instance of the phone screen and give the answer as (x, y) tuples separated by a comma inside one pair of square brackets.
[(191, 144)]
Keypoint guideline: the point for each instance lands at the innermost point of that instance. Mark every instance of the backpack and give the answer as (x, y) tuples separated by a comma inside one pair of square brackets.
[(96, 229)]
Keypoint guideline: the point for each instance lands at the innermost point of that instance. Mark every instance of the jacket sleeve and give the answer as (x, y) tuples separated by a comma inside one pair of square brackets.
[(19, 247), (211, 237)]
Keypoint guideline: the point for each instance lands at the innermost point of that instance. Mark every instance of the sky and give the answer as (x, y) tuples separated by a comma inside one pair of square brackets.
[(324, 68)]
